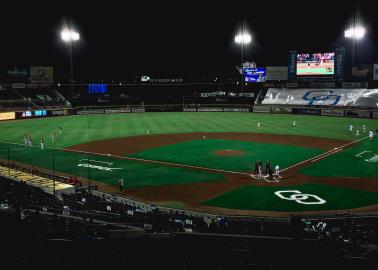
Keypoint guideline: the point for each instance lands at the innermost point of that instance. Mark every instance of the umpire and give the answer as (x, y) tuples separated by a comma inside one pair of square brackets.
[(256, 168)]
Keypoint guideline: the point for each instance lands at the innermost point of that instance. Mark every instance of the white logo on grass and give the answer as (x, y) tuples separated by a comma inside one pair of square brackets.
[(370, 157), (102, 168), (300, 197)]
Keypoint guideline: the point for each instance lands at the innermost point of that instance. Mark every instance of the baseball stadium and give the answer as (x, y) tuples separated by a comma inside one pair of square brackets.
[(144, 140), (204, 161)]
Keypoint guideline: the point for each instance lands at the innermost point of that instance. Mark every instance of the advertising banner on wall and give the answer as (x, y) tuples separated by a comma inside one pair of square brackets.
[(333, 112), (281, 110), (360, 114), (7, 116), (41, 74), (276, 73), (261, 109)]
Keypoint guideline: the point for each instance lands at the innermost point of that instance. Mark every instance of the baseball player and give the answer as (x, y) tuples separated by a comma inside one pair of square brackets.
[(277, 170), (148, 130), (52, 137), (293, 124), (350, 128), (42, 142), (258, 125), (260, 170), (363, 128), (357, 133), (371, 133), (60, 130), (30, 142)]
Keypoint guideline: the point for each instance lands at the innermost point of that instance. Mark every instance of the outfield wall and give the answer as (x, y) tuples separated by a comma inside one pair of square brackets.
[(272, 109)]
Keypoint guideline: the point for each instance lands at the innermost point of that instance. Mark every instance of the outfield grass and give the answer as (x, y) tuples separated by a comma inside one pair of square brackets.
[(83, 128), (201, 153), (136, 174), (263, 198), (358, 161)]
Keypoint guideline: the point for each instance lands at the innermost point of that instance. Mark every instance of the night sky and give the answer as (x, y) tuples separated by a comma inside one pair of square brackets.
[(182, 38)]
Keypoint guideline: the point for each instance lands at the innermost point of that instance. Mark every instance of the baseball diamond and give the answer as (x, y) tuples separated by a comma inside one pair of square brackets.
[(204, 161)]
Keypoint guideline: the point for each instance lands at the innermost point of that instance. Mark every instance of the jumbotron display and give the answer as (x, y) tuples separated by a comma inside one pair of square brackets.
[(316, 64)]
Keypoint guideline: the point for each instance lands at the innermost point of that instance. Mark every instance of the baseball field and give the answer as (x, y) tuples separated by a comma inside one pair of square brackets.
[(204, 160)]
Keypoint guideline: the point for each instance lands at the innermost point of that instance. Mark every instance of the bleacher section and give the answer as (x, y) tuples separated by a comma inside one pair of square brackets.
[(45, 184), (40, 97), (364, 98)]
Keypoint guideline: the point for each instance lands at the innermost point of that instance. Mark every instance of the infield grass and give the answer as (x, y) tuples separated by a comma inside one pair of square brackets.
[(265, 199)]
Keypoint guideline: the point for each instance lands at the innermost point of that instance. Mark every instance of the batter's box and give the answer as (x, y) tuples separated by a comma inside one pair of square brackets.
[(266, 178)]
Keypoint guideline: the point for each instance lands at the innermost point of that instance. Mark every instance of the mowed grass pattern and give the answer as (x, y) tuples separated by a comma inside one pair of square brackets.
[(358, 161), (202, 153), (83, 128), (136, 174)]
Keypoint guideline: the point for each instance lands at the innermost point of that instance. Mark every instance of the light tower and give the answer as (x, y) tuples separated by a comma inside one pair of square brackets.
[(70, 36), (243, 38)]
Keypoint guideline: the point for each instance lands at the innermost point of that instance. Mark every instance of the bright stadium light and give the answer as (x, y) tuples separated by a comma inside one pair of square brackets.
[(69, 35), (357, 32), (243, 38)]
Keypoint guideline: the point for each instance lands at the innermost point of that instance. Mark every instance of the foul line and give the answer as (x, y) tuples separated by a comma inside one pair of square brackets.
[(326, 154), (313, 159), (141, 160)]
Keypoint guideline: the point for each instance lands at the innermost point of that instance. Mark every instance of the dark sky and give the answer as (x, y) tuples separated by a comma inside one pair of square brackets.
[(177, 38)]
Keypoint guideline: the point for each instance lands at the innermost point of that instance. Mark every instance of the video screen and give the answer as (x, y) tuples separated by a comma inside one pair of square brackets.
[(97, 88), (254, 74), (315, 64)]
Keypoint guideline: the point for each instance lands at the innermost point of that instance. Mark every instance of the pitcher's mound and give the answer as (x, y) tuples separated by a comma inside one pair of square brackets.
[(229, 153)]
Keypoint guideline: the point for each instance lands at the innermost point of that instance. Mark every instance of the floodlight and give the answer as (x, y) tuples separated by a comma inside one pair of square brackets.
[(243, 38), (357, 32), (69, 35)]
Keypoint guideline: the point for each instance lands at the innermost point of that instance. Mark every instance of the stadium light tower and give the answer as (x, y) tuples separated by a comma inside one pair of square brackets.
[(355, 33), (69, 36), (243, 38)]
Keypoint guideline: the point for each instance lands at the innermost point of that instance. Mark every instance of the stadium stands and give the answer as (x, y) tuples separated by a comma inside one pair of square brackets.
[(363, 98)]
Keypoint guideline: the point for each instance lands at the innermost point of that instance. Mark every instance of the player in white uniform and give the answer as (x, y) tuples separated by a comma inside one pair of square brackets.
[(52, 137), (350, 128), (30, 142), (42, 142), (258, 125), (363, 128), (371, 133), (293, 124), (277, 170), (60, 130), (357, 133)]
